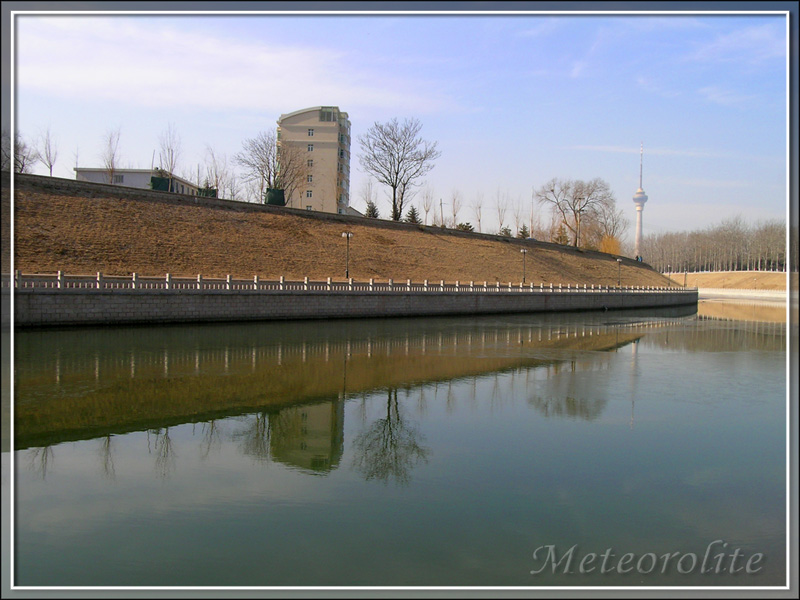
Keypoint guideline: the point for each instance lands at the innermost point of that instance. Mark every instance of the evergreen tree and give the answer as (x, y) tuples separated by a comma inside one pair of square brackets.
[(506, 232), (412, 216), (372, 210), (465, 227), (561, 236), (523, 232)]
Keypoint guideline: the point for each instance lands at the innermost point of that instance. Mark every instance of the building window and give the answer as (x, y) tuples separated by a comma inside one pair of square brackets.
[(310, 133), (308, 207), (310, 162), (311, 147), (309, 193), (118, 178), (310, 178), (341, 211)]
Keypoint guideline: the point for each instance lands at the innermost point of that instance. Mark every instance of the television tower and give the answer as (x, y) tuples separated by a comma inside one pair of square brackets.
[(639, 198)]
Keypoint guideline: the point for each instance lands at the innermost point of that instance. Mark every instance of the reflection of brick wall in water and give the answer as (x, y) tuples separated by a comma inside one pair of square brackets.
[(310, 436)]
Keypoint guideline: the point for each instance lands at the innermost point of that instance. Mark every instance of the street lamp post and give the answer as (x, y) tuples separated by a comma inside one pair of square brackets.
[(619, 271), (524, 254), (347, 235)]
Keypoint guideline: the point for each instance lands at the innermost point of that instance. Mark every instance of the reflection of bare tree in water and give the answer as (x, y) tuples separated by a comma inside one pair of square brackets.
[(40, 459), (106, 453), (211, 437), (165, 453), (255, 436), (569, 407), (389, 448)]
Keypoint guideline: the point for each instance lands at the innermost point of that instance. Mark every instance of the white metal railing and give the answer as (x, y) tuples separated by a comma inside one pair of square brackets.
[(62, 281)]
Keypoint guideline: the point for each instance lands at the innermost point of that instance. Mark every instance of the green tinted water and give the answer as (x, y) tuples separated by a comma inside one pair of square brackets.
[(430, 452)]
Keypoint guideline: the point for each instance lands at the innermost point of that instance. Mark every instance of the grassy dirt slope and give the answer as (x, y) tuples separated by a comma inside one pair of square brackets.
[(740, 280), (116, 235)]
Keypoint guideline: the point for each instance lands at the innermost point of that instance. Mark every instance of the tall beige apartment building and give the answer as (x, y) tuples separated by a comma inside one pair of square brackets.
[(322, 134)]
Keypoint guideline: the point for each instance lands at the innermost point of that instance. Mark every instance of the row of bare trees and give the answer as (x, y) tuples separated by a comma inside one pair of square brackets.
[(25, 156), (732, 245)]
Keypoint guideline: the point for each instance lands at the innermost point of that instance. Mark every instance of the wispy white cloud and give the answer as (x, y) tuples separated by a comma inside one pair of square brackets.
[(751, 45), (653, 86), (542, 27), (137, 62), (725, 97), (653, 151)]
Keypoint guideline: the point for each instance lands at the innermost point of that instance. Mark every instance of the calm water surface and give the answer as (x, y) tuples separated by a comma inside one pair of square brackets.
[(432, 452)]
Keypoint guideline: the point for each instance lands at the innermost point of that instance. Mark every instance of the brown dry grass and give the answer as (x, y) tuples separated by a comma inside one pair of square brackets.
[(119, 236), (742, 280)]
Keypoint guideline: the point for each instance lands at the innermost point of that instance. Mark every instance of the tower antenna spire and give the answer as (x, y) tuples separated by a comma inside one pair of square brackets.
[(641, 157)]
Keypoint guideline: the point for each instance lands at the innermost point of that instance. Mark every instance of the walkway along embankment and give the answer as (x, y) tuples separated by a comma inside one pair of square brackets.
[(61, 300)]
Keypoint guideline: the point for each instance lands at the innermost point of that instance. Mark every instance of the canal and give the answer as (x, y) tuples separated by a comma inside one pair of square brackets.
[(487, 451)]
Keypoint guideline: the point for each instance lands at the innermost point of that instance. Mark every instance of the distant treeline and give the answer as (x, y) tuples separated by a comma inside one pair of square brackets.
[(733, 245)]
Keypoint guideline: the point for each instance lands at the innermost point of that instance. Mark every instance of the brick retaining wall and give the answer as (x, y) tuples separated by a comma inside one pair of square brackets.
[(47, 307)]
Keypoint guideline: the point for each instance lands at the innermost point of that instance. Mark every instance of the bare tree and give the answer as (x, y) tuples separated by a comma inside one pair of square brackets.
[(367, 193), (47, 151), (6, 154), (170, 144), (574, 199), (518, 216), (501, 204), (259, 159), (395, 155), (455, 202), (110, 153), (216, 170), (269, 166), (427, 202), (292, 170), (477, 207)]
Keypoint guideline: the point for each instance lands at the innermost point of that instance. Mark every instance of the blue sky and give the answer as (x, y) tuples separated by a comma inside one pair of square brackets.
[(512, 101)]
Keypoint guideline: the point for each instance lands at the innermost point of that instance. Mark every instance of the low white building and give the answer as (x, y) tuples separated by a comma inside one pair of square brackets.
[(144, 179)]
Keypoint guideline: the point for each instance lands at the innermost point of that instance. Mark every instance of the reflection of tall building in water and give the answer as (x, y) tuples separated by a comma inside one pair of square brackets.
[(310, 436)]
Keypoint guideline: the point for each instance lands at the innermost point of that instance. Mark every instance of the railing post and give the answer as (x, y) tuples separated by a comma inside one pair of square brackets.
[(135, 281), (457, 285), (17, 278), (559, 287), (199, 281), (167, 282), (281, 283), (350, 284), (584, 287), (391, 284), (441, 285), (60, 283), (329, 284), (371, 284), (471, 286), (99, 280), (425, 285), (408, 285), (551, 286), (541, 286), (305, 283), (509, 286), (485, 286), (255, 282)]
